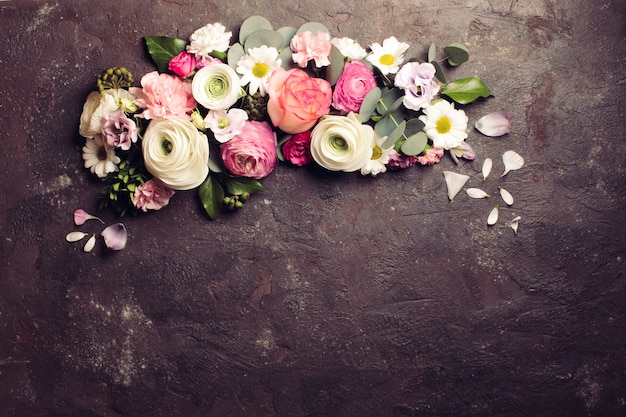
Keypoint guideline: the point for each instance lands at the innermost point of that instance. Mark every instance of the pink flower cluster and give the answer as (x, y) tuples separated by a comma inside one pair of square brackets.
[(163, 96)]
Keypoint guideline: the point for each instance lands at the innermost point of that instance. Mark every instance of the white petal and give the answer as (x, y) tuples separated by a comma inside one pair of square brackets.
[(90, 244), (75, 236), (494, 124), (493, 216), (476, 193), (487, 168), (454, 182), (512, 161), (515, 224), (506, 196)]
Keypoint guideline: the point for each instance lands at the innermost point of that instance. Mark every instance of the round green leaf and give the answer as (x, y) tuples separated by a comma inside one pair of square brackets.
[(385, 104), (285, 57), (337, 63), (439, 73), (235, 52), (313, 27), (457, 53), (432, 53), (251, 25), (270, 38), (287, 33), (413, 126), (394, 135), (388, 124), (414, 145), (369, 104)]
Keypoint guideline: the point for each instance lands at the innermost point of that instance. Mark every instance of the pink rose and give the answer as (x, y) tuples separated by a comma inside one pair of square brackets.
[(297, 149), (297, 101), (432, 156), (307, 47), (152, 195), (183, 64), (252, 153), (352, 86), (164, 96)]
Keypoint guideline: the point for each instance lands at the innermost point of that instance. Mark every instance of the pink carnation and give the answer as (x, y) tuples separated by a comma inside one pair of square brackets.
[(399, 161), (252, 153), (119, 130), (432, 156), (297, 149), (307, 47), (152, 195), (164, 96), (352, 86)]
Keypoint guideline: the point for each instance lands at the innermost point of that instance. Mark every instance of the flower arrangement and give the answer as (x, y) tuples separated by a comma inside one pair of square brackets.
[(219, 116)]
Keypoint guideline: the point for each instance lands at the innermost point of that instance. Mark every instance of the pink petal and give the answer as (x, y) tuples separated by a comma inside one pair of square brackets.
[(494, 124), (115, 236), (81, 216)]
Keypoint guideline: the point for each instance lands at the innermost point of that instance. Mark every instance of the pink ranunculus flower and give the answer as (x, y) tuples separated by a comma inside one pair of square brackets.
[(417, 81), (352, 86), (119, 130), (431, 157), (183, 64), (152, 195), (307, 47), (164, 96), (297, 149), (252, 153), (296, 100)]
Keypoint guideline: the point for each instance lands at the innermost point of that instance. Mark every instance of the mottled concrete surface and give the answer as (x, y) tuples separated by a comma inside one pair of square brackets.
[(329, 295)]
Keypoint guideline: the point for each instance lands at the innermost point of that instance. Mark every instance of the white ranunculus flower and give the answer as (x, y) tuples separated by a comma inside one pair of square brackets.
[(342, 143), (216, 87), (176, 153), (97, 106)]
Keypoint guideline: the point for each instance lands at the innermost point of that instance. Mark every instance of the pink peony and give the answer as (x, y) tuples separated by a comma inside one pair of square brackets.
[(352, 86), (183, 64), (152, 195), (119, 130), (164, 96), (253, 152), (296, 100), (297, 149), (432, 156), (307, 47)]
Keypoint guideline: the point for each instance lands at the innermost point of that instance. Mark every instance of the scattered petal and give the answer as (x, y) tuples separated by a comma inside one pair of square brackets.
[(493, 216), (115, 236), (512, 161), (494, 124), (506, 196), (90, 244), (454, 182), (515, 223), (487, 168), (476, 193), (81, 216), (75, 236)]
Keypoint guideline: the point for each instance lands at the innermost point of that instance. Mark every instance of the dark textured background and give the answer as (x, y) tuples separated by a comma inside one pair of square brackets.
[(329, 295)]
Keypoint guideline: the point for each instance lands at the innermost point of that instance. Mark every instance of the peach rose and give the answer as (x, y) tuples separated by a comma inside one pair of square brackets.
[(296, 100)]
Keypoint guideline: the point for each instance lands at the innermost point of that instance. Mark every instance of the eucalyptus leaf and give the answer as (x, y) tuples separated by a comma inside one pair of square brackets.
[(388, 124), (415, 144), (337, 64), (369, 104), (235, 53), (432, 53), (313, 27), (211, 196), (394, 135), (457, 53), (285, 57), (259, 38), (215, 160), (386, 102), (240, 185), (251, 25), (279, 147), (287, 32), (413, 126), (466, 90), (439, 72), (162, 49)]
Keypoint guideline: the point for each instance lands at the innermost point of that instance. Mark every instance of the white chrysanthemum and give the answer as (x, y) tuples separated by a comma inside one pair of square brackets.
[(378, 162), (257, 66), (444, 125), (212, 37), (349, 48), (388, 57), (99, 157)]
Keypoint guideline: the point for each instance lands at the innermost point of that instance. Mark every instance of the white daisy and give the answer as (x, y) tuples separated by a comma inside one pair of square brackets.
[(388, 57), (377, 164), (444, 125), (257, 66), (99, 157)]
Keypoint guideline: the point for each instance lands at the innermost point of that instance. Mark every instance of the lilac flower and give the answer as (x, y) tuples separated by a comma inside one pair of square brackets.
[(119, 130), (115, 236), (418, 84), (464, 150), (81, 216)]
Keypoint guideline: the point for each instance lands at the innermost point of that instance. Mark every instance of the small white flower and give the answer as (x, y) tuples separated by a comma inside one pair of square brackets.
[(454, 182), (378, 162), (257, 66), (512, 161), (445, 125), (349, 48), (212, 37), (99, 157), (389, 56)]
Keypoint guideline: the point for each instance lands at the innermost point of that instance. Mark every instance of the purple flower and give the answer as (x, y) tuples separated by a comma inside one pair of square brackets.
[(115, 236), (417, 81), (399, 161), (119, 130)]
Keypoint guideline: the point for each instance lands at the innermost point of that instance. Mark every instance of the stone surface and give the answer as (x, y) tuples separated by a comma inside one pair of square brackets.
[(329, 295)]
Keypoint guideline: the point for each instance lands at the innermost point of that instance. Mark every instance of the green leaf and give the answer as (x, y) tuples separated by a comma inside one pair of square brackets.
[(287, 33), (457, 53), (251, 25), (394, 135), (235, 52), (413, 126), (162, 49), (337, 64), (369, 104), (286, 57), (432, 53), (259, 38), (466, 90), (414, 145), (212, 197), (439, 73), (240, 185), (385, 104), (313, 27), (386, 125), (279, 147)]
